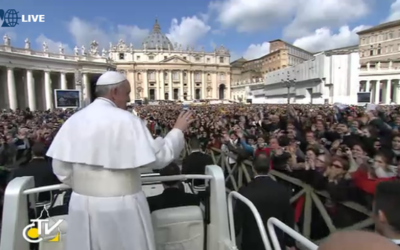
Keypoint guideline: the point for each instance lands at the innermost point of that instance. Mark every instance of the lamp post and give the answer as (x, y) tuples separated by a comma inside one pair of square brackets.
[(289, 83)]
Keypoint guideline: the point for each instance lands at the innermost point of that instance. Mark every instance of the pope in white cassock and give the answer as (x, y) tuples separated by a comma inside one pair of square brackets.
[(98, 152)]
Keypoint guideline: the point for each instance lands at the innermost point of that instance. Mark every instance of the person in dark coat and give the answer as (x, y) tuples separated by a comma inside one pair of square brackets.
[(196, 161), (173, 195), (271, 199), (39, 168)]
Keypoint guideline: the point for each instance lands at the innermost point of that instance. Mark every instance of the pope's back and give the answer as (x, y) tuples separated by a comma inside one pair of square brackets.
[(98, 152)]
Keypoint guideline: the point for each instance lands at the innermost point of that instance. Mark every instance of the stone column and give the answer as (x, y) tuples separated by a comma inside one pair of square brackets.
[(63, 81), (12, 91), (170, 90), (215, 85), (86, 91), (228, 86), (162, 85), (397, 92), (48, 90), (203, 85), (193, 86), (388, 91), (377, 92), (145, 85), (181, 86), (367, 85), (31, 90), (132, 74), (189, 84)]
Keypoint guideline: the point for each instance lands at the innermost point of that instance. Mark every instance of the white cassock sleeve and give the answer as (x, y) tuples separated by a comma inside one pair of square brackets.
[(166, 149), (63, 171)]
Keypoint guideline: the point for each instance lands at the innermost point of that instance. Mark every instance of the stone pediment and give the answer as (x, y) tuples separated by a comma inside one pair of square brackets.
[(175, 59)]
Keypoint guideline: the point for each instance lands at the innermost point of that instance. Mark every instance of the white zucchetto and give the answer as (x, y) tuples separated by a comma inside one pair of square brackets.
[(110, 78)]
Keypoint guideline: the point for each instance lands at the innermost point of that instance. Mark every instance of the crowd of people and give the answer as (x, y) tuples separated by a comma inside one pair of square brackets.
[(345, 150)]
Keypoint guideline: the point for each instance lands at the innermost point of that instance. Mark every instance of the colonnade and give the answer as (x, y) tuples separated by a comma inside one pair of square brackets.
[(178, 84), (21, 88), (384, 91)]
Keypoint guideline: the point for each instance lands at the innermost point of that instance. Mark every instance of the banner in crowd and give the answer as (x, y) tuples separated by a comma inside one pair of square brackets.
[(364, 97), (67, 98)]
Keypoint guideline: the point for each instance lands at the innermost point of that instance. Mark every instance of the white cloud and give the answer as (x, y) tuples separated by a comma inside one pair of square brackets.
[(252, 15), (394, 11), (302, 16), (53, 46), (84, 32), (189, 31), (314, 14), (256, 50), (325, 39), (218, 32)]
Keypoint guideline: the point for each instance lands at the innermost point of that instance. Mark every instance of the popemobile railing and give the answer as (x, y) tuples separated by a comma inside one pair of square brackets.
[(239, 173), (21, 192)]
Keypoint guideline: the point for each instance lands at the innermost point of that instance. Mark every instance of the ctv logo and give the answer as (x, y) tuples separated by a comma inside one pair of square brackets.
[(33, 232), (11, 17)]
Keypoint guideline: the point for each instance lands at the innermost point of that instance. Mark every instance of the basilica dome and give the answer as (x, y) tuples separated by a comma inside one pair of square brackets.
[(157, 40)]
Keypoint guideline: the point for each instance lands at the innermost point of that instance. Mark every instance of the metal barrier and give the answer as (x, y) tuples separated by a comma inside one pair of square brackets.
[(311, 195), (15, 210), (256, 214), (274, 222)]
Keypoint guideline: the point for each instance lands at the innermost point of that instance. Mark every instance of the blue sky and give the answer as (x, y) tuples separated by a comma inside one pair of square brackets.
[(243, 26)]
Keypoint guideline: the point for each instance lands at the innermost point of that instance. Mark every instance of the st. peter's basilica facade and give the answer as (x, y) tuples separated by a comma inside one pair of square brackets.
[(159, 70)]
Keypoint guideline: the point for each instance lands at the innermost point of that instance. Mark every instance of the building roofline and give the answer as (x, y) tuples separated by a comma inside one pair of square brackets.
[(242, 59), (280, 40), (341, 50), (261, 57), (380, 27)]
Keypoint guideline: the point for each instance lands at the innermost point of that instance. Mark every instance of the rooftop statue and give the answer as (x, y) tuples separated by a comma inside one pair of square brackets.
[(61, 49), (27, 44), (45, 47), (7, 40), (94, 48)]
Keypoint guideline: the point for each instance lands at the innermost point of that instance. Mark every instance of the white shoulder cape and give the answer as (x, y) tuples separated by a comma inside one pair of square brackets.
[(103, 135)]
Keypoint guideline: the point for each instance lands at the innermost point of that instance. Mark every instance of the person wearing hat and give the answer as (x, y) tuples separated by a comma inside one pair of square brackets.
[(98, 152)]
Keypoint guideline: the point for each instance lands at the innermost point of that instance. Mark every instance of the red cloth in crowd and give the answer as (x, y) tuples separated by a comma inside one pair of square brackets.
[(361, 180), (217, 144), (266, 150), (151, 125), (298, 208)]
